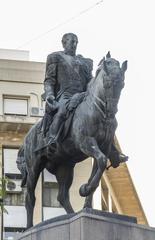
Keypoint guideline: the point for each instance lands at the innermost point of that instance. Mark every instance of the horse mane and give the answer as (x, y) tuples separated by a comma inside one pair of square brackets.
[(93, 82)]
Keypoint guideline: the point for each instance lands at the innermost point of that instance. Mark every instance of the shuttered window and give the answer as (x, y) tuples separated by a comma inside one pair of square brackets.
[(15, 199), (10, 157), (50, 193), (16, 106)]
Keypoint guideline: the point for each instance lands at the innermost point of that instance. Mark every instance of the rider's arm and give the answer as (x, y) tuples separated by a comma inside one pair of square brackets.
[(50, 77)]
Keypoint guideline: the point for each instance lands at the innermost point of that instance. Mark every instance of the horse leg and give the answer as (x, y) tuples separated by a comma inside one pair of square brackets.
[(30, 196), (90, 147), (89, 198), (64, 175)]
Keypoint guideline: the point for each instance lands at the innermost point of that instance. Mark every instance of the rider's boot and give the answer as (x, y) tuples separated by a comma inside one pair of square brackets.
[(55, 130)]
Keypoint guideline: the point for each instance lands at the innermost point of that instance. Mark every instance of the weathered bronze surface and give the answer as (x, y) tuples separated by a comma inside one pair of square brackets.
[(79, 122)]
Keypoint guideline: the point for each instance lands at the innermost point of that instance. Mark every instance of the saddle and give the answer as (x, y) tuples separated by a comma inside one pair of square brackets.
[(43, 127)]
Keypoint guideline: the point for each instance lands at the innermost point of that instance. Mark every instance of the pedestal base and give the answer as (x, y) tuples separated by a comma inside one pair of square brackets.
[(89, 225)]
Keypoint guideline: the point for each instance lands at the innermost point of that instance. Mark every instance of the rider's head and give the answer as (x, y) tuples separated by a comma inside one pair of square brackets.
[(69, 42)]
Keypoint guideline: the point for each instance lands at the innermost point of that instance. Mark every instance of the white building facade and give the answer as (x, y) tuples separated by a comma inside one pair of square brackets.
[(21, 106)]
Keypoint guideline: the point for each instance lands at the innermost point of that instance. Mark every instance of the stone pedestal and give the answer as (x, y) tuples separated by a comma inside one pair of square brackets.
[(89, 225)]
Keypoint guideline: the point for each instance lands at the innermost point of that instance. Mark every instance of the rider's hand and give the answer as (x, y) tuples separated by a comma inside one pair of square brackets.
[(51, 103), (50, 98), (72, 105)]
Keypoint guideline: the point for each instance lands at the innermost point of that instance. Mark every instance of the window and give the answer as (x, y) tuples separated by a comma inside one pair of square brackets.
[(12, 233), (15, 199), (50, 192), (10, 157), (15, 106), (15, 195)]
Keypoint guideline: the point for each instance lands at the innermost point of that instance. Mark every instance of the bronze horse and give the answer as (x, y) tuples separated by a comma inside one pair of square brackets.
[(91, 134)]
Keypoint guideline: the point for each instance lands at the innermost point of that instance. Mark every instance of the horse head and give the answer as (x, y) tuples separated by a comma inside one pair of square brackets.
[(112, 75)]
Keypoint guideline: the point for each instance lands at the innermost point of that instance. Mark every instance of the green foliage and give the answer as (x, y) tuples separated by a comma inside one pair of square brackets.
[(3, 182)]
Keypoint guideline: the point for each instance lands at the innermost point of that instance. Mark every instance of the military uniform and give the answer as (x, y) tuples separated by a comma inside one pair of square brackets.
[(65, 76)]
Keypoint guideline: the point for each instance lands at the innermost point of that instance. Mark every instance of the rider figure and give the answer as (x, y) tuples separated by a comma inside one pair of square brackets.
[(66, 74)]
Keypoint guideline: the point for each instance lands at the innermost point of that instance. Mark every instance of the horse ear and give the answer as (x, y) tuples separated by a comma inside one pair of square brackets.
[(124, 66), (105, 68), (108, 55), (102, 60)]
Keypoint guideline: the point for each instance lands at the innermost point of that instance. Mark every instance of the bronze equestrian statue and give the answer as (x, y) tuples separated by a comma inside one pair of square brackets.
[(90, 111)]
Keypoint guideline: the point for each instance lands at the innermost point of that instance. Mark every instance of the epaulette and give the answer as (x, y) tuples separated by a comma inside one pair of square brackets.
[(54, 57)]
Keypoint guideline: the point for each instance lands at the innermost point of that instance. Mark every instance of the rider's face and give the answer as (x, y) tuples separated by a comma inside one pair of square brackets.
[(70, 45)]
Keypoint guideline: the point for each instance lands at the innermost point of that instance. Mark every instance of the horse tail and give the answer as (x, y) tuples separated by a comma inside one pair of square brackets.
[(21, 164)]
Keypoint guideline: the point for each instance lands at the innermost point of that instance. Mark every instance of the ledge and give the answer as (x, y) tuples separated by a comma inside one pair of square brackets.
[(89, 224)]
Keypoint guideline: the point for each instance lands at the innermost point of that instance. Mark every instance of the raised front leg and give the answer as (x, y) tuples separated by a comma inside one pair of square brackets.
[(90, 147), (116, 157), (89, 198)]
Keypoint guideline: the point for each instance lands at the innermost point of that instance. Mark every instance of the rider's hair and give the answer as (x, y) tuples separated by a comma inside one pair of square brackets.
[(66, 35)]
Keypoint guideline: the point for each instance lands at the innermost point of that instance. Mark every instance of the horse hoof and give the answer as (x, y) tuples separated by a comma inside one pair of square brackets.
[(85, 190)]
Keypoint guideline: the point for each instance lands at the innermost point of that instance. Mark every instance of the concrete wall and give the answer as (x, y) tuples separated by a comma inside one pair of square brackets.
[(21, 90), (16, 216), (90, 226), (14, 54), (21, 79), (22, 71)]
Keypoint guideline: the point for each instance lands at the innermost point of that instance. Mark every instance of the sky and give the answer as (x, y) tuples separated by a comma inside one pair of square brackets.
[(126, 28)]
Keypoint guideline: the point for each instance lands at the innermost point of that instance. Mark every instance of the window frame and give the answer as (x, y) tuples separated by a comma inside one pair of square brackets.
[(14, 199), (14, 230), (50, 186), (16, 97), (11, 175)]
